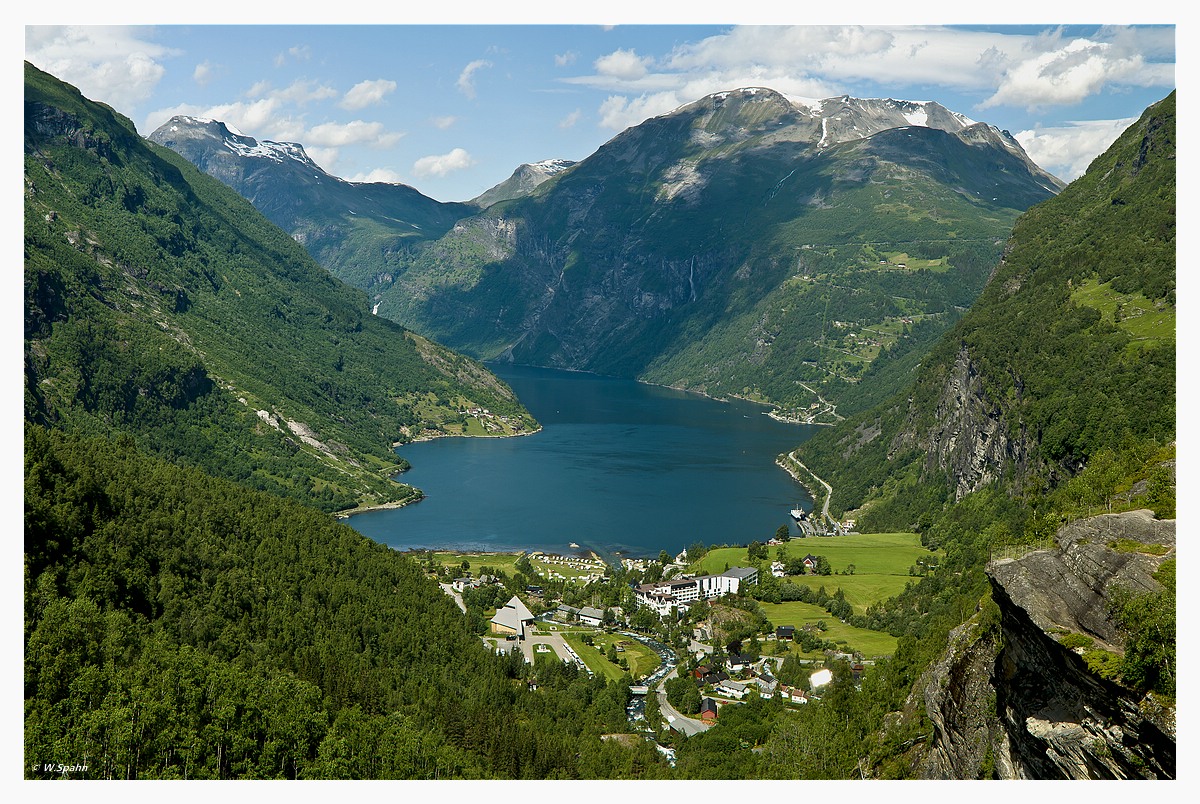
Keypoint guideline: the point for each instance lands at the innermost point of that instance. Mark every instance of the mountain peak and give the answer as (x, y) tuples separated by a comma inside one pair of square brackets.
[(524, 180), (183, 128)]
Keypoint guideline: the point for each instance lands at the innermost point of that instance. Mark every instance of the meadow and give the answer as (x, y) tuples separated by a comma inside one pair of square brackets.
[(641, 660), (869, 553), (869, 643)]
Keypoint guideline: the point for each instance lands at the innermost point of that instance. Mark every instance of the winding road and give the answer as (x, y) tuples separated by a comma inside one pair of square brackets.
[(828, 488)]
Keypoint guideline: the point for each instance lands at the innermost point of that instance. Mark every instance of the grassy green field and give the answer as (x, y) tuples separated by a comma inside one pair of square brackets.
[(860, 590), (868, 643), (1138, 315), (505, 562), (641, 660), (870, 553)]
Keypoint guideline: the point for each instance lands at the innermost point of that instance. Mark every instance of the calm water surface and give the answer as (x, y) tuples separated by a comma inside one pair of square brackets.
[(619, 466)]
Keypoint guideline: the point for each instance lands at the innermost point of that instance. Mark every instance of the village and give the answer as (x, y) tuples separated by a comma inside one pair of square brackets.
[(663, 638)]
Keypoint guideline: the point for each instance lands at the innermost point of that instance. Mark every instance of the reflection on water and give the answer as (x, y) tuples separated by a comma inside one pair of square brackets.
[(618, 466)]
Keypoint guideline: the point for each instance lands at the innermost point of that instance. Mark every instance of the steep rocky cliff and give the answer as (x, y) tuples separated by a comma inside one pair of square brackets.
[(1020, 700), (969, 440)]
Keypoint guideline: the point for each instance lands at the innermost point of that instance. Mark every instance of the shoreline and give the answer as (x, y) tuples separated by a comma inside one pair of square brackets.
[(424, 437), (389, 506)]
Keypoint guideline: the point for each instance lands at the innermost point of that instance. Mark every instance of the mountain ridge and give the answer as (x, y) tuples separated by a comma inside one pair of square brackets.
[(160, 304), (703, 219)]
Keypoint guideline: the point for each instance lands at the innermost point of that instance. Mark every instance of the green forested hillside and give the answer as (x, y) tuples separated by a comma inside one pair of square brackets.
[(1070, 348), (182, 626), (721, 248), (159, 303)]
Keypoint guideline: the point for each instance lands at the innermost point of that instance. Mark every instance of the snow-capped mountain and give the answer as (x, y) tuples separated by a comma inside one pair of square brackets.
[(349, 227), (523, 181)]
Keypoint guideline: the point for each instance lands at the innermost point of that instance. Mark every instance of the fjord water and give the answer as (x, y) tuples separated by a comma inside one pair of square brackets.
[(619, 466)]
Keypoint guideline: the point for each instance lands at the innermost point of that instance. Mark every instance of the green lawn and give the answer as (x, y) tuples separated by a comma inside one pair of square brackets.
[(641, 660), (505, 562), (868, 643), (870, 553), (1138, 315), (860, 590)]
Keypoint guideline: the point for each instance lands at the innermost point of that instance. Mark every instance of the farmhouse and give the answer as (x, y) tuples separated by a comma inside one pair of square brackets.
[(682, 592), (708, 710), (785, 632), (512, 619)]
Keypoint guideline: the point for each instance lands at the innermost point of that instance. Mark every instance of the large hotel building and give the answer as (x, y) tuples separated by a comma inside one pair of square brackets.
[(680, 593)]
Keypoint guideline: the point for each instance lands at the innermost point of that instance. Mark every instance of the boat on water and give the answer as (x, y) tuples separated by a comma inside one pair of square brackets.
[(574, 545), (799, 514)]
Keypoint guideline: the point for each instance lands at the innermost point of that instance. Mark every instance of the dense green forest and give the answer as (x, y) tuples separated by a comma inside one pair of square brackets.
[(1073, 342), (160, 304), (182, 626)]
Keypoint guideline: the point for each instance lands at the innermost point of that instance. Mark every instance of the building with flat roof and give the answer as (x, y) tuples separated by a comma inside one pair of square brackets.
[(680, 593)]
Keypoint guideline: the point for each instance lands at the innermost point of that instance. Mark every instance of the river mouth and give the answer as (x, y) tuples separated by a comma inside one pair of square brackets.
[(621, 468)]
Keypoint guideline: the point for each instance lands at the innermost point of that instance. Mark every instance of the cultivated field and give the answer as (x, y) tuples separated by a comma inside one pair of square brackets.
[(870, 553), (869, 643)]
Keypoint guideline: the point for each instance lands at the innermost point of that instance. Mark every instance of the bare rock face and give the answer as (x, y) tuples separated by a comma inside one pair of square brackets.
[(960, 702), (1017, 703), (969, 439)]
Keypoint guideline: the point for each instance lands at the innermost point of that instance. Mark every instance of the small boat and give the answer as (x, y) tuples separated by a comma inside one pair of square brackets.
[(799, 514), (574, 545)]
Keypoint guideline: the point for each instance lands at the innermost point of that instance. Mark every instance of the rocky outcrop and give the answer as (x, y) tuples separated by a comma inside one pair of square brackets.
[(1017, 702), (969, 438), (961, 704)]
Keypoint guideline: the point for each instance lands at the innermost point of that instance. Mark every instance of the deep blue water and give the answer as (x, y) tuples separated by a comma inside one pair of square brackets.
[(618, 466)]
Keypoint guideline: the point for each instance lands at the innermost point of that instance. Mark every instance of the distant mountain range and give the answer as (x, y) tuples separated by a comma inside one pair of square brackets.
[(743, 244), (355, 229)]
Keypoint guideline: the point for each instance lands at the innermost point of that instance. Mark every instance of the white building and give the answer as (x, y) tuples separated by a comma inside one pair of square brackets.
[(682, 592)]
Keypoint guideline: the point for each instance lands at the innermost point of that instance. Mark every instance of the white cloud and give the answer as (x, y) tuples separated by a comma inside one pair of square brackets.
[(564, 59), (1066, 151), (623, 65), (203, 73), (571, 119), (116, 65), (1074, 71), (386, 175), (356, 132), (466, 79), (367, 93), (444, 122), (302, 92), (326, 158), (440, 165), (296, 53)]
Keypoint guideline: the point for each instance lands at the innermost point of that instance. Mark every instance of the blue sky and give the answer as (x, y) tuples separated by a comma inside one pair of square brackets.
[(453, 109)]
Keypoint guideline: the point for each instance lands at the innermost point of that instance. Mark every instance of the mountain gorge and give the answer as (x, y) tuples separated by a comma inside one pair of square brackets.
[(740, 245), (201, 393), (161, 305)]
